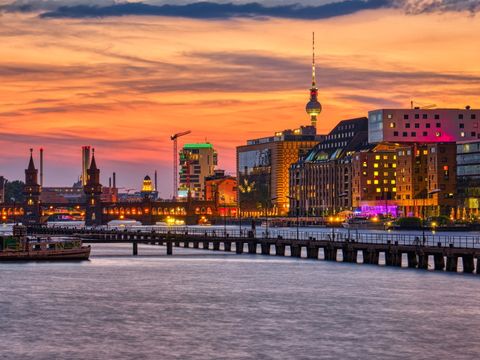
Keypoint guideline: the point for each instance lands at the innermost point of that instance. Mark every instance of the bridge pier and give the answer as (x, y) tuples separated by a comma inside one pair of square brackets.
[(412, 259), (468, 263), (349, 255), (252, 247), (452, 262), (206, 244), (265, 248), (312, 252), (135, 248), (227, 246), (295, 251), (239, 247), (185, 244), (439, 261), (216, 245), (169, 247), (196, 244), (177, 243)]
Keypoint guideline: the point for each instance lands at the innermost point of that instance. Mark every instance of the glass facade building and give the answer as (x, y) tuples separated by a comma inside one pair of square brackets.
[(468, 179)]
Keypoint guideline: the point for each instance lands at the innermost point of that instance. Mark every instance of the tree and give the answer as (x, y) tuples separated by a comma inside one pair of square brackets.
[(14, 189)]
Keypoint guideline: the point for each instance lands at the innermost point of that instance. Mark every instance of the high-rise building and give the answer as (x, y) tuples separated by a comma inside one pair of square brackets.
[(263, 169), (423, 125), (321, 181), (197, 161), (2, 189), (85, 164)]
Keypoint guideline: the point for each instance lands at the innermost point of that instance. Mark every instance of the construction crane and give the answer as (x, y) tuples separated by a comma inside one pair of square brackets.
[(423, 107), (174, 138)]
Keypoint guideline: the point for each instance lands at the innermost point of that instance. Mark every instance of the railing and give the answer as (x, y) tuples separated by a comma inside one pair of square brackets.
[(432, 240)]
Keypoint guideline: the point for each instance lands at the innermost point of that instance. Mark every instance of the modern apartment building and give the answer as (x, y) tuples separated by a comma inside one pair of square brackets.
[(423, 125)]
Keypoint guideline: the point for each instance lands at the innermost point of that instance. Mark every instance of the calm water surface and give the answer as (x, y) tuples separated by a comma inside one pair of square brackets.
[(204, 305)]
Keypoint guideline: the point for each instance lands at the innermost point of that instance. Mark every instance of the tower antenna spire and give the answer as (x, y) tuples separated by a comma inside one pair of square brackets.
[(313, 59)]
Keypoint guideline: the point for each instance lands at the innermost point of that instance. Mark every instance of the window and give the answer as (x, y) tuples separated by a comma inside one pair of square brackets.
[(460, 116), (438, 125), (437, 117), (379, 189), (474, 133), (395, 133), (405, 116), (389, 116), (462, 134), (424, 116), (425, 133), (404, 134), (417, 116), (414, 133), (392, 125), (407, 125), (369, 182), (375, 165), (461, 126), (427, 125), (375, 182), (377, 157), (473, 116), (417, 125)]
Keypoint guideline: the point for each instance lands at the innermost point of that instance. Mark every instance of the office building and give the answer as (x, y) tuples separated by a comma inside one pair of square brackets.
[(468, 180), (197, 161)]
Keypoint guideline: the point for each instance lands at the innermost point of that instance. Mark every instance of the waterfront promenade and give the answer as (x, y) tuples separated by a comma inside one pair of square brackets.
[(442, 252)]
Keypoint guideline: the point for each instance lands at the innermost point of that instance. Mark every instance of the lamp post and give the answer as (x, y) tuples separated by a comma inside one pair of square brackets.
[(224, 216), (341, 196), (297, 211), (434, 191)]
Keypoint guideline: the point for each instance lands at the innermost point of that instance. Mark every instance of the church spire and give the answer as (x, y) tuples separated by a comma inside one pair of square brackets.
[(93, 164), (31, 165)]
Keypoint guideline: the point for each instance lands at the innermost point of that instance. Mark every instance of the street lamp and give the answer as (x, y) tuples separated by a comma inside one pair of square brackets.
[(297, 210), (434, 191), (341, 196), (224, 216)]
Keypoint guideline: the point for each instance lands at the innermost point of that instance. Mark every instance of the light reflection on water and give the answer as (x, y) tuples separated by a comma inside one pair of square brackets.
[(213, 305)]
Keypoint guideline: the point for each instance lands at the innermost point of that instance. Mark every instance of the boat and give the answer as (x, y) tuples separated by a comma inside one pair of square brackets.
[(365, 223), (18, 247)]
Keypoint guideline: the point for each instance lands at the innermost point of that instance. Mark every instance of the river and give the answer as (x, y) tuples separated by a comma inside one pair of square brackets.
[(200, 304)]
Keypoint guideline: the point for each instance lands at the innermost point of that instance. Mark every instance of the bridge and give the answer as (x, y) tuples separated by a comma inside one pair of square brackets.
[(399, 251), (94, 211)]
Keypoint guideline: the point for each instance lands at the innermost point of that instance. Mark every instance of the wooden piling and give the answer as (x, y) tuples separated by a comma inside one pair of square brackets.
[(252, 247), (169, 247), (468, 264), (239, 247), (265, 248), (280, 249), (452, 262), (135, 248), (439, 261), (227, 245)]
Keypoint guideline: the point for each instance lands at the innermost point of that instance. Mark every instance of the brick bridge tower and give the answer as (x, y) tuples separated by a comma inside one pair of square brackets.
[(32, 190), (93, 191)]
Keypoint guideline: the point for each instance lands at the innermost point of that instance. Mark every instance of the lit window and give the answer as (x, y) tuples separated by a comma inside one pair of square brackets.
[(375, 165), (445, 168), (462, 134), (377, 157), (375, 182), (379, 190), (394, 189), (425, 152), (385, 157), (385, 181), (392, 124), (438, 134), (375, 173), (364, 164), (393, 182), (369, 182), (394, 165)]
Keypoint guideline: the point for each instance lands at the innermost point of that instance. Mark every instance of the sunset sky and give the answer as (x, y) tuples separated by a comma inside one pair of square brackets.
[(124, 78)]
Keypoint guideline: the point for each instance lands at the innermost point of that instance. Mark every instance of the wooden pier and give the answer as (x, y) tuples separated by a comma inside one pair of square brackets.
[(444, 254)]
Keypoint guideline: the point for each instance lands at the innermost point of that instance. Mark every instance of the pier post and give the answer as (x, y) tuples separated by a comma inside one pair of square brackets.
[(206, 244), (478, 265), (312, 252), (185, 244), (135, 248), (439, 261), (330, 253), (227, 246), (295, 250), (196, 244), (452, 262), (252, 247), (370, 256), (169, 247), (239, 247), (177, 243), (280, 249), (412, 259), (422, 260), (468, 264), (216, 245), (265, 248)]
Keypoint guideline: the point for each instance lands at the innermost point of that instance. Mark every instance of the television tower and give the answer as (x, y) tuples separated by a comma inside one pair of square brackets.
[(313, 108)]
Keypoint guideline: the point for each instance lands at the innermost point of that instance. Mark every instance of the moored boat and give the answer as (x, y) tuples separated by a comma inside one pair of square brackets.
[(20, 248), (365, 223)]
